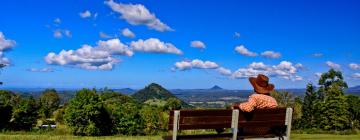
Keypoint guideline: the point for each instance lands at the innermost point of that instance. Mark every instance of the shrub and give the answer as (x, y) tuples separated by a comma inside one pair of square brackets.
[(85, 115)]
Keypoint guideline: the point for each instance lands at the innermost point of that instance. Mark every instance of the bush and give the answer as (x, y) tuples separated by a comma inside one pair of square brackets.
[(124, 113), (24, 115), (85, 115)]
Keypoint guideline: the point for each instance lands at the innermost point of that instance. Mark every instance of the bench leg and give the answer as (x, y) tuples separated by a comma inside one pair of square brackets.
[(175, 124), (289, 112), (234, 123)]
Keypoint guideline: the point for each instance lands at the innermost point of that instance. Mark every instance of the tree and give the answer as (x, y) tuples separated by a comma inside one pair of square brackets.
[(152, 119), (332, 105), (172, 104), (5, 108), (49, 101), (308, 107), (86, 115), (287, 99), (354, 110), (124, 112), (24, 115)]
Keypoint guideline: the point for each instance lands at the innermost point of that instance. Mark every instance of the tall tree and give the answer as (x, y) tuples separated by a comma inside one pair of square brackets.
[(332, 104), (24, 115), (86, 115), (5, 108), (308, 108), (49, 101)]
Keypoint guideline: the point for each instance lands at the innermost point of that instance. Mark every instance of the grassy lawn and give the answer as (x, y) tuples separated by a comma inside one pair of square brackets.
[(69, 137), (324, 137)]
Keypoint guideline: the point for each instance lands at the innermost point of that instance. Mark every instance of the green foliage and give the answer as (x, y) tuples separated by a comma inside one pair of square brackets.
[(5, 108), (354, 110), (59, 115), (85, 115), (287, 99), (172, 104), (153, 119), (308, 108), (49, 101), (327, 108), (24, 115), (124, 112)]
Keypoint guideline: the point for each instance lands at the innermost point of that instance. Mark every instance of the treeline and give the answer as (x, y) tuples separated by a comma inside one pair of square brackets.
[(325, 107), (90, 113)]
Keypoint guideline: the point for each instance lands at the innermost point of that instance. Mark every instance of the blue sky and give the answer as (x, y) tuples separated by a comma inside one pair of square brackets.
[(290, 41)]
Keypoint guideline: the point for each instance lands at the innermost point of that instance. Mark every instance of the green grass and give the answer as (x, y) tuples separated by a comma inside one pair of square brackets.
[(324, 137), (32, 136)]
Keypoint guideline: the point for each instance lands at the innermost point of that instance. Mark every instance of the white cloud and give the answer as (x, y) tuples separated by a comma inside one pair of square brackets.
[(354, 66), (197, 44), (318, 54), (127, 33), (244, 51), (99, 57), (332, 65), (237, 35), (318, 74), (285, 70), (196, 63), (59, 33), (5, 45), (85, 14), (41, 70), (57, 21), (271, 54), (154, 45), (104, 35), (356, 75), (299, 66), (224, 71), (138, 14)]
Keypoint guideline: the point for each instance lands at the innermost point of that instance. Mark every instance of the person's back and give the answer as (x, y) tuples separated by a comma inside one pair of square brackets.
[(260, 99)]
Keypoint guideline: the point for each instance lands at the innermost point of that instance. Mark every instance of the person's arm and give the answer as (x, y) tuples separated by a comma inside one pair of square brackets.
[(249, 105)]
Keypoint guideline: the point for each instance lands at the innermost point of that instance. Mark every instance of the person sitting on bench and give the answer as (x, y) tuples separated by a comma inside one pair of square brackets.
[(260, 99)]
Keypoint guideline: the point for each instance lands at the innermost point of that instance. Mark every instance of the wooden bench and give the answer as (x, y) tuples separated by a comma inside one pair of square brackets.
[(279, 118)]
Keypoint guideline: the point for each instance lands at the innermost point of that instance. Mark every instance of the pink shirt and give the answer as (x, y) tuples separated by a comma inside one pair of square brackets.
[(258, 101)]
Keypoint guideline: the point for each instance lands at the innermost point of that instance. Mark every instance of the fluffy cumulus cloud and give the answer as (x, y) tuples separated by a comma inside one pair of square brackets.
[(99, 57), (197, 44), (85, 14), (138, 14), (127, 33), (285, 70), (271, 54), (356, 75), (104, 35), (244, 51), (5, 45), (154, 45), (333, 65), (59, 33), (224, 71), (354, 66), (196, 64), (40, 70)]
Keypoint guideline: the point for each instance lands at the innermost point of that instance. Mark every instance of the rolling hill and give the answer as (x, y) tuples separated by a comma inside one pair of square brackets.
[(155, 93)]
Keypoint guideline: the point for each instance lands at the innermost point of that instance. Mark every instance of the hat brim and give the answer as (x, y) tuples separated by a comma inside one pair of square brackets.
[(260, 89)]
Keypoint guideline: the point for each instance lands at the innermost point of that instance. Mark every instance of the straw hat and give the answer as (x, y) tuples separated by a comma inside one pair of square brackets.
[(261, 84)]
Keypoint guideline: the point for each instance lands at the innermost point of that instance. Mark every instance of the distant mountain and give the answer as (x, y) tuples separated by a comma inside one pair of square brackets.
[(126, 90), (155, 92), (354, 88), (216, 87)]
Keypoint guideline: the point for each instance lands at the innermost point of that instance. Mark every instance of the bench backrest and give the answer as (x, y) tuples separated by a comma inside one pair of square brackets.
[(213, 119)]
